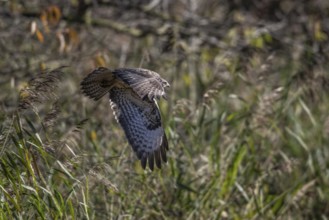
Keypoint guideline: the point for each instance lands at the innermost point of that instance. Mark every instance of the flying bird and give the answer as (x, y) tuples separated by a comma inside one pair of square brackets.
[(133, 93)]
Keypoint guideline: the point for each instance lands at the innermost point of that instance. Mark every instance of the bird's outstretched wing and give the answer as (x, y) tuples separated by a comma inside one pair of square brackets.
[(141, 122), (145, 83), (98, 83)]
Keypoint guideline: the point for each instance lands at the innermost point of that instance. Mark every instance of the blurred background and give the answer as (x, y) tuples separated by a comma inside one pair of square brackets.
[(246, 116)]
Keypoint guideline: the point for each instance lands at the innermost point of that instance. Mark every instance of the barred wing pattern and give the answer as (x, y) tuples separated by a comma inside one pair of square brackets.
[(132, 94), (141, 122), (98, 83), (143, 82)]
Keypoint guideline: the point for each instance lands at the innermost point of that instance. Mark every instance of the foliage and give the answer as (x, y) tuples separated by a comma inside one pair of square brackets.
[(246, 116)]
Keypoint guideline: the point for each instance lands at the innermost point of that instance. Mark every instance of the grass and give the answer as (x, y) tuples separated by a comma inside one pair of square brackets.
[(233, 157)]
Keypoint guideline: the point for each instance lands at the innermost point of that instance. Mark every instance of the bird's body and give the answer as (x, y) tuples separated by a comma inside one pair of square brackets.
[(132, 94)]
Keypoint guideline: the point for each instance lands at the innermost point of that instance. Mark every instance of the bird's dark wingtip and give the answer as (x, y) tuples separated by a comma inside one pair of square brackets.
[(151, 161), (143, 162), (157, 157)]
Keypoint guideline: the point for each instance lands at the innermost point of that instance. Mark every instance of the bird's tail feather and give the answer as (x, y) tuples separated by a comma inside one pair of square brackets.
[(98, 83)]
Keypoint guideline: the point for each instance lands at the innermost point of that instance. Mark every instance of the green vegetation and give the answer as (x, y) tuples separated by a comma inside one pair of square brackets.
[(247, 115)]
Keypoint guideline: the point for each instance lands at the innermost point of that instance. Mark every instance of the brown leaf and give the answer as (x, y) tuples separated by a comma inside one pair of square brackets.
[(99, 60), (39, 36), (73, 36), (54, 14)]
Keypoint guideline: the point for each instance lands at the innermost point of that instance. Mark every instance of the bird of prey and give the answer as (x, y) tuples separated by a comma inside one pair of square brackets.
[(133, 93)]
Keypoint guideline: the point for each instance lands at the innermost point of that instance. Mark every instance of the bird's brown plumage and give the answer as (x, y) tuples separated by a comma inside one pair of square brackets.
[(132, 94)]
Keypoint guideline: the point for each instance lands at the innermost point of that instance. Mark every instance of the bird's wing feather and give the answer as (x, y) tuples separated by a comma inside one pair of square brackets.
[(141, 122), (98, 83), (145, 83)]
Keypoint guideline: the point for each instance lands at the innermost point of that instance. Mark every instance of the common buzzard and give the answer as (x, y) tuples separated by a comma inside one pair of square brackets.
[(133, 93)]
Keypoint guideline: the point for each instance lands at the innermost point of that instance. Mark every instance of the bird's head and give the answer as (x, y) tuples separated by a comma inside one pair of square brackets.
[(165, 83)]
